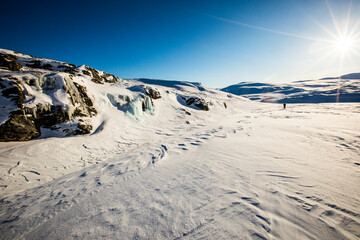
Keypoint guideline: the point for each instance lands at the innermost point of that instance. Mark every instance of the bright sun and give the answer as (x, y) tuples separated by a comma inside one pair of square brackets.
[(344, 44)]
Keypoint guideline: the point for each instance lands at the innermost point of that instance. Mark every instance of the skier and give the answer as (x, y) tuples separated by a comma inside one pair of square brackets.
[(284, 105)]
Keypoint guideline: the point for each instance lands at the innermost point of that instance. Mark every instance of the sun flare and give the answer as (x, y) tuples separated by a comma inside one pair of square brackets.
[(344, 44)]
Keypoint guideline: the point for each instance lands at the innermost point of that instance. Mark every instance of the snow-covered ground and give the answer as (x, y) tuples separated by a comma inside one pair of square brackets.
[(162, 168), (249, 171)]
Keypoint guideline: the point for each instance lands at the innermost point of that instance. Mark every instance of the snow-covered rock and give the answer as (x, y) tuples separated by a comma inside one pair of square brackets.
[(64, 99), (196, 102), (152, 92), (43, 93)]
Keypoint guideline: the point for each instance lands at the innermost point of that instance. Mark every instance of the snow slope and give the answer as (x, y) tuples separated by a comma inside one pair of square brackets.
[(246, 171), (334, 89)]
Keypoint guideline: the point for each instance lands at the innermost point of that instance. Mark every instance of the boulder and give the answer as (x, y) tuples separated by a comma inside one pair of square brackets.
[(152, 92)]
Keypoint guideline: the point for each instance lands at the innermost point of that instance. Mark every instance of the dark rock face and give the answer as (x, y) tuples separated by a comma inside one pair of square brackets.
[(46, 116), (18, 128), (38, 64), (86, 100), (201, 104), (34, 64), (9, 62)]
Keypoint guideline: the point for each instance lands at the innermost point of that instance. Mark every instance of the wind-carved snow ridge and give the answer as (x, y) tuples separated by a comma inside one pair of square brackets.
[(157, 166)]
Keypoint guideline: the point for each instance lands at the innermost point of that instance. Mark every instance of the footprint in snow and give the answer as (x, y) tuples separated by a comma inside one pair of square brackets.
[(231, 192), (34, 172), (190, 139), (195, 143)]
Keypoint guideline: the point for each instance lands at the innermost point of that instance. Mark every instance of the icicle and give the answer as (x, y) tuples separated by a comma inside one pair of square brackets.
[(34, 112), (23, 112), (149, 105), (69, 111)]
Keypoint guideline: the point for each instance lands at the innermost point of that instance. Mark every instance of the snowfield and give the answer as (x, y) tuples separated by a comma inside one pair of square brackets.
[(251, 171), (162, 168)]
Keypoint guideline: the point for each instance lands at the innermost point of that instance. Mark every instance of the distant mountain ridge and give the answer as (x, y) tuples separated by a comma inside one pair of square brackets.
[(345, 88), (346, 76)]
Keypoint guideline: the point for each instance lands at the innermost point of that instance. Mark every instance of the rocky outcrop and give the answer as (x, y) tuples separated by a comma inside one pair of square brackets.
[(196, 101), (41, 93), (9, 62), (26, 121), (18, 128), (99, 77), (152, 92)]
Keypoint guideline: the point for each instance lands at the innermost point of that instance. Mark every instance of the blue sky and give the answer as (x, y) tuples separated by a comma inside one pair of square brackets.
[(217, 43)]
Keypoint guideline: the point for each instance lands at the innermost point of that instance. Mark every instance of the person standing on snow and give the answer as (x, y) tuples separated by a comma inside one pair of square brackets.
[(284, 105)]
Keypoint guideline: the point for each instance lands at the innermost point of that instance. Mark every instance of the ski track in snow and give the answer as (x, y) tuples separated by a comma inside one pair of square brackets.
[(253, 173)]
